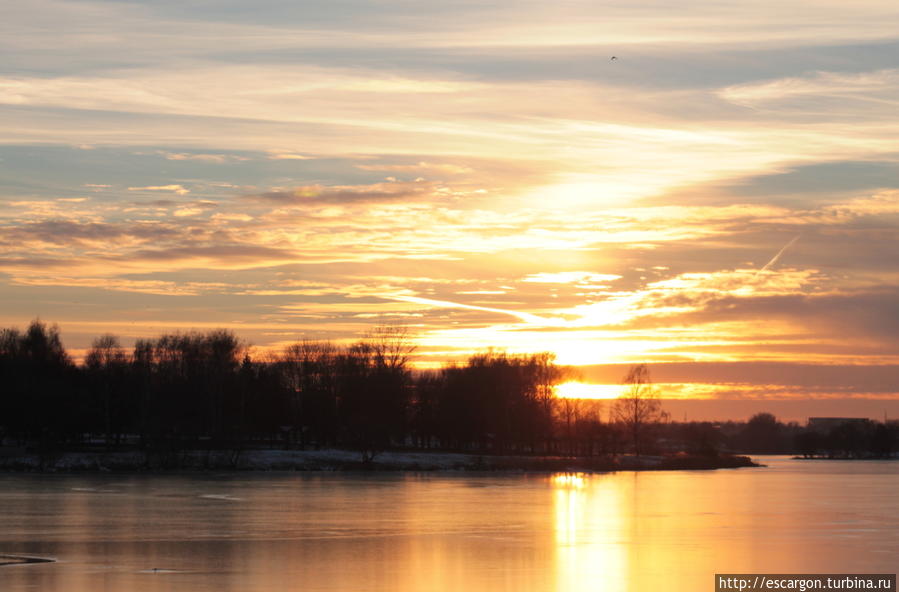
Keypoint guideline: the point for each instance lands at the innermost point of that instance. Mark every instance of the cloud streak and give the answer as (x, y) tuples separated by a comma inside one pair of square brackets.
[(779, 254)]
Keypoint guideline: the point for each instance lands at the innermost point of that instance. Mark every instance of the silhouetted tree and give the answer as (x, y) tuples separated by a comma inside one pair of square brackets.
[(849, 439), (763, 434), (425, 419), (107, 367), (374, 389), (638, 409), (309, 372), (884, 440), (701, 438), (580, 428), (808, 443), (39, 386), (498, 401), (206, 390)]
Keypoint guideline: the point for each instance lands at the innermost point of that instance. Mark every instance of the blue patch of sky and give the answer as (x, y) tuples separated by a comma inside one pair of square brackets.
[(64, 172), (661, 67), (364, 14), (822, 180)]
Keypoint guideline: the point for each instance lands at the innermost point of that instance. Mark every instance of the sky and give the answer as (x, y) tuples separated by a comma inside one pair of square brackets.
[(720, 200)]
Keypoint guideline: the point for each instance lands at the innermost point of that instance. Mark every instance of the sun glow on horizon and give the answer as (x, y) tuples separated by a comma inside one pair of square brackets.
[(584, 390)]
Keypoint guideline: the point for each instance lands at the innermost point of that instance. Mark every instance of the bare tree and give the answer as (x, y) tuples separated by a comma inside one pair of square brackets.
[(391, 346), (639, 408), (376, 389), (308, 369), (568, 415), (106, 362)]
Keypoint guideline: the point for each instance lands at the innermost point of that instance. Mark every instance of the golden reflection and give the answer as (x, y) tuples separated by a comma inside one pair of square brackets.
[(570, 532), (591, 515), (569, 480)]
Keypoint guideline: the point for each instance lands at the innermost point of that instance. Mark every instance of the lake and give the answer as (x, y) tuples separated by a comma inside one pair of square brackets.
[(460, 532)]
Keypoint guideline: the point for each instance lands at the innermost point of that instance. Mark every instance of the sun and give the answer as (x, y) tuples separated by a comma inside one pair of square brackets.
[(584, 390)]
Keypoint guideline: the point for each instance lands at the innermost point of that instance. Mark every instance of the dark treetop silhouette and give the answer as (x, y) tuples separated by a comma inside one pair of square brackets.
[(206, 391)]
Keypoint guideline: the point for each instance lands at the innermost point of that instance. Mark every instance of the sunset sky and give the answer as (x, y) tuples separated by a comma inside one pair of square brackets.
[(721, 200)]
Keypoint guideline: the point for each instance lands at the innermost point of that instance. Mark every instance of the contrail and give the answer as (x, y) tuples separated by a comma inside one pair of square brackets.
[(529, 318), (779, 253)]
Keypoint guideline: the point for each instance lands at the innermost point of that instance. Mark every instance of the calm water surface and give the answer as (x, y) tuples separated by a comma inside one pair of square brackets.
[(252, 532)]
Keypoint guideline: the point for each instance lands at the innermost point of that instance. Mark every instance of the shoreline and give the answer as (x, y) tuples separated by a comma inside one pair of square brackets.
[(330, 460), (852, 458)]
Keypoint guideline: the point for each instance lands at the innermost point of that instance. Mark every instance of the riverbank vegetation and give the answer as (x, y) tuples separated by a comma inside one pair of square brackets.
[(207, 391), (763, 433)]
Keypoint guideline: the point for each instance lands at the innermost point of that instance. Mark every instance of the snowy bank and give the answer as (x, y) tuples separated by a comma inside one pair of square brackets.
[(343, 460)]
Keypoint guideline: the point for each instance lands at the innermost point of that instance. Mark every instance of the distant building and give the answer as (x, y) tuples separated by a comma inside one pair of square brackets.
[(825, 424)]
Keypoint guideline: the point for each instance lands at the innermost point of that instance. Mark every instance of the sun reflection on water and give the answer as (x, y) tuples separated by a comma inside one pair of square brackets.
[(570, 480), (591, 514)]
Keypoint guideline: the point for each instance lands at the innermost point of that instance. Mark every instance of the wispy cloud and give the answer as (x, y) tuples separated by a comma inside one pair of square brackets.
[(285, 155), (567, 277), (179, 189), (213, 158), (877, 87), (523, 316)]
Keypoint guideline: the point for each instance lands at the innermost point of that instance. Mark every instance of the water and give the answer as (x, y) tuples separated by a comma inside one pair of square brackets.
[(268, 532)]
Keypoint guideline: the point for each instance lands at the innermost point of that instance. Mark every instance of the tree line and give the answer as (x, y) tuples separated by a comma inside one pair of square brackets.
[(763, 433), (208, 390)]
